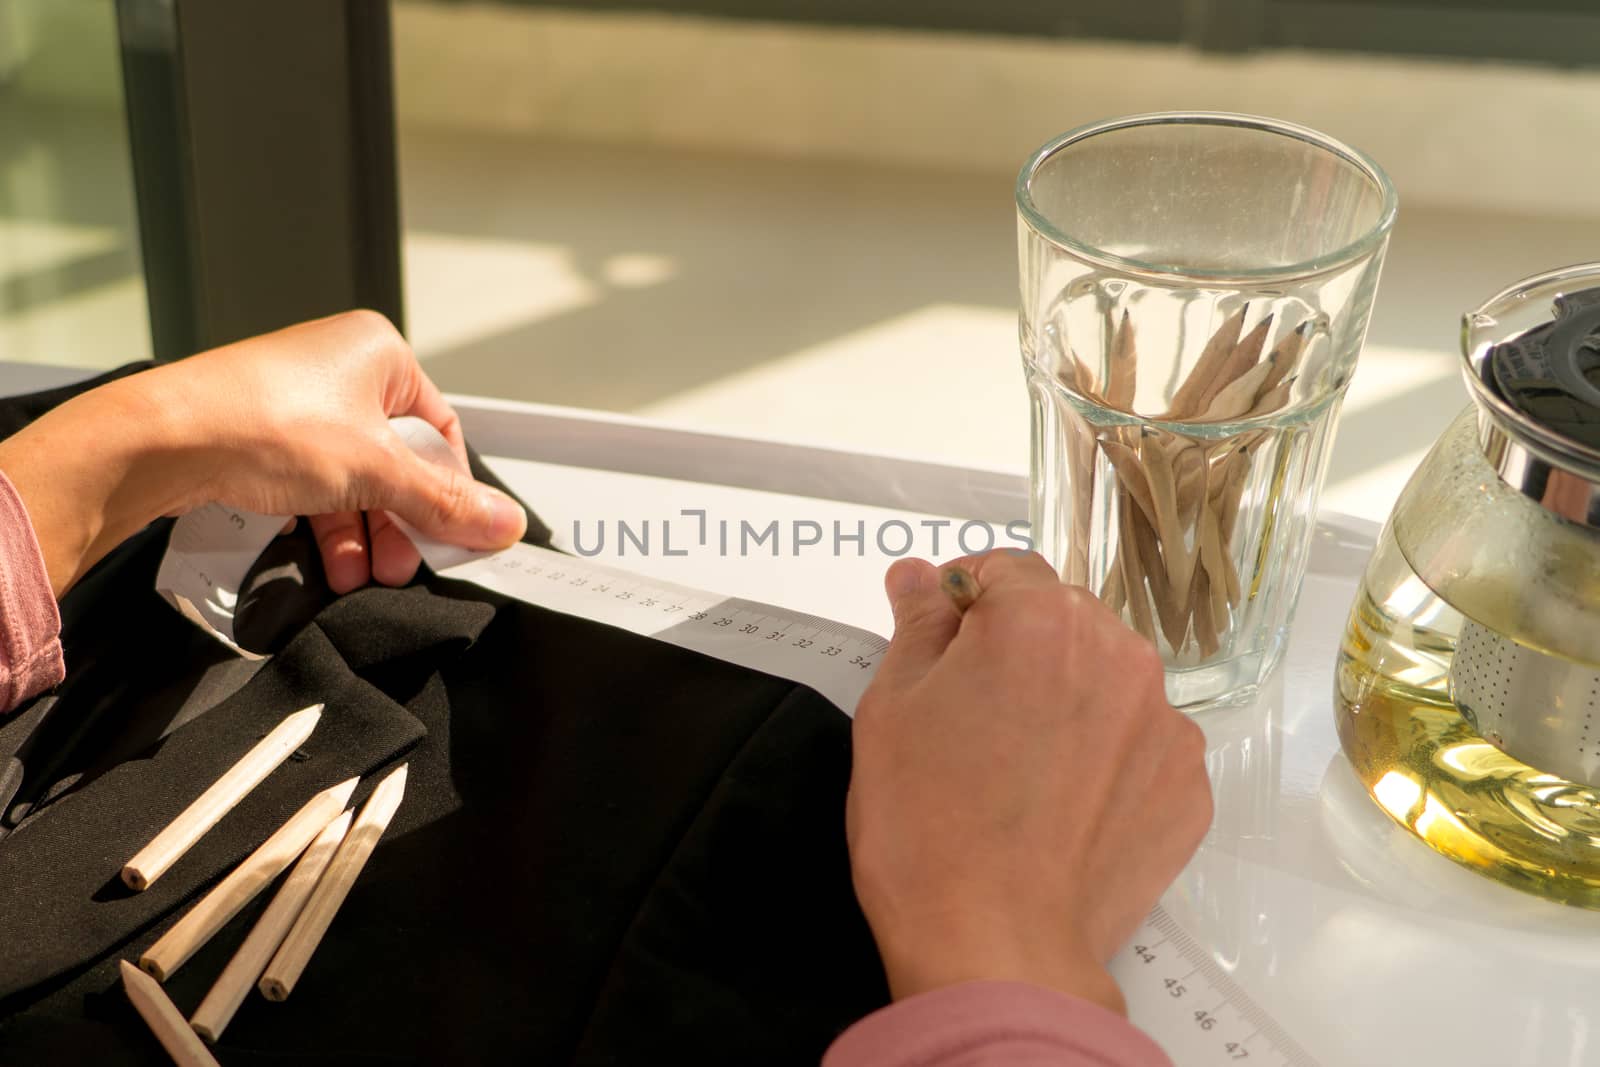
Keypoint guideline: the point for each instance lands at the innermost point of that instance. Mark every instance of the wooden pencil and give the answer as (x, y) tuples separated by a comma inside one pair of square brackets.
[(1186, 491), (209, 807), (1185, 402), (1122, 377), (292, 956), (181, 1043), (240, 887), (1246, 354), (239, 976), (1133, 576)]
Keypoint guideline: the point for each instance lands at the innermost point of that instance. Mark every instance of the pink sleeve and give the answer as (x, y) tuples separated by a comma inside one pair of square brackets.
[(30, 625), (994, 1024)]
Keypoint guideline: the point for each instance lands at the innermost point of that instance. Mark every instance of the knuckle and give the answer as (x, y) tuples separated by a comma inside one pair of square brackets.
[(1142, 658), (869, 709), (1184, 769), (374, 334), (1191, 740), (1086, 608), (1011, 565), (1039, 616), (333, 530), (1077, 597), (1202, 809), (1148, 658), (368, 323), (873, 725)]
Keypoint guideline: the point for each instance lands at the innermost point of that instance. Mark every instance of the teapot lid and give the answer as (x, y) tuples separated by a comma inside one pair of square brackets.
[(1551, 373)]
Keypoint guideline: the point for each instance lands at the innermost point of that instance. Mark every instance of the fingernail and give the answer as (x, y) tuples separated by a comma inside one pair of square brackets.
[(904, 579), (507, 521)]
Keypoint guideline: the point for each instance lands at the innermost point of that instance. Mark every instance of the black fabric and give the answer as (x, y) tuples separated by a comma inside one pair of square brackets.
[(611, 851)]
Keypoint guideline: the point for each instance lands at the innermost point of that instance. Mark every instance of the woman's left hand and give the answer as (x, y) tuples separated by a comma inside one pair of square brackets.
[(289, 423)]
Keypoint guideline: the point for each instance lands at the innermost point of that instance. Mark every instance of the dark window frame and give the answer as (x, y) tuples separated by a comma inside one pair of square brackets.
[(263, 147), (1563, 33)]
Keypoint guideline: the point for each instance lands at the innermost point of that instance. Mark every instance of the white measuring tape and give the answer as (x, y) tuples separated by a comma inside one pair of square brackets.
[(1173, 986)]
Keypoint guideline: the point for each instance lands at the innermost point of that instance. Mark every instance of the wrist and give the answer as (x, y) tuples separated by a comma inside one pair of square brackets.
[(171, 448), (96, 469), (925, 957)]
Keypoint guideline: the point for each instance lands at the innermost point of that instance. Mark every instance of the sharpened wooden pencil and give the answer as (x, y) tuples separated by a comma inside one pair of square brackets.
[(246, 880), (209, 807), (164, 1020), (239, 976), (302, 940)]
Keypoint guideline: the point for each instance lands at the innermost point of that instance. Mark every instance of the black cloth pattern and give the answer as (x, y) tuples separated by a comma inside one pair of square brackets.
[(611, 850)]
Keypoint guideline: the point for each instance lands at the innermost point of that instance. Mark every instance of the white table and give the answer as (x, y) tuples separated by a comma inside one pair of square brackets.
[(1365, 945)]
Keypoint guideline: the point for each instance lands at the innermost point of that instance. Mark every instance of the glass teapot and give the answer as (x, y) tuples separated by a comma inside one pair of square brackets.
[(1467, 690)]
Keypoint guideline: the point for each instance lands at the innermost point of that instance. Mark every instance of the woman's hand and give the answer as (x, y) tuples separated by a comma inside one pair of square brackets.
[(1022, 792), (290, 423)]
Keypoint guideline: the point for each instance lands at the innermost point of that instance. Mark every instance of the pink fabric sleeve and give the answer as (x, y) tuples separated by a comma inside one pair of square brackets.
[(994, 1024), (30, 625)]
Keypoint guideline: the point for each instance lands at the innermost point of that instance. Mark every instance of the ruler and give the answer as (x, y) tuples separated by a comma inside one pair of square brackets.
[(1174, 988), (1179, 995)]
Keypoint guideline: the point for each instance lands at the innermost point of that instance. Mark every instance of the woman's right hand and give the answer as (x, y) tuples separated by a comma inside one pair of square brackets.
[(1022, 792)]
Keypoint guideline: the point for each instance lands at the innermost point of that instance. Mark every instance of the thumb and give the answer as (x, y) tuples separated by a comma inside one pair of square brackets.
[(925, 620), (449, 505)]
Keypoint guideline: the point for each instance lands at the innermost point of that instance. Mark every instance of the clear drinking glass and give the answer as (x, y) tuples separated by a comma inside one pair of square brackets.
[(1195, 291)]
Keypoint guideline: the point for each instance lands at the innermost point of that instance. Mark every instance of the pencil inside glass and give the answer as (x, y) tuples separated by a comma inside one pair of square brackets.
[(1195, 291)]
